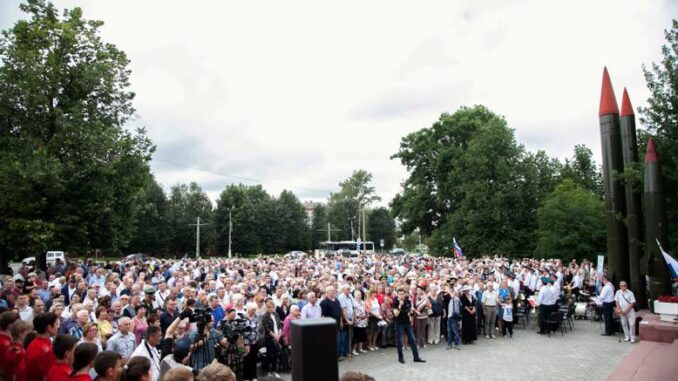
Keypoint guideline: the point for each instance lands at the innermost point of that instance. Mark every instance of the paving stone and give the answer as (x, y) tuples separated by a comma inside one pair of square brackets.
[(579, 355)]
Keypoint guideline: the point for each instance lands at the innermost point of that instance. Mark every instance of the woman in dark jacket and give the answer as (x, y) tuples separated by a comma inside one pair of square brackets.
[(468, 317), (272, 333)]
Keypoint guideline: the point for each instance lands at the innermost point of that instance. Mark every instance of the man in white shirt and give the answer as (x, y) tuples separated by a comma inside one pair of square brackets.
[(490, 300), (312, 309), (607, 298), (147, 349), (160, 296), (123, 342), (625, 301)]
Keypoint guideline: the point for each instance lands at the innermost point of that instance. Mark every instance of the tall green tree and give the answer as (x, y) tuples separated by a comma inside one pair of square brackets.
[(660, 119), (293, 222), (256, 219), (571, 224), (185, 204), (68, 169), (583, 171), (381, 225), (469, 179), (318, 226), (357, 187), (151, 234), (343, 217)]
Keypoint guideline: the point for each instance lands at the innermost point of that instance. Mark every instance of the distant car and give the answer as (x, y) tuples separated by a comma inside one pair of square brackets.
[(30, 261), (295, 255), (52, 256), (397, 251), (137, 257), (330, 254), (344, 252)]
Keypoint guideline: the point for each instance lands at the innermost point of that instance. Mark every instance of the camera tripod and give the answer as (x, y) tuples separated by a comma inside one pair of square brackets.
[(233, 358), (200, 352)]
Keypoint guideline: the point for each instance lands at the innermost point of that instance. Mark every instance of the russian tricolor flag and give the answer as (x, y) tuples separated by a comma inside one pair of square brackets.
[(457, 249)]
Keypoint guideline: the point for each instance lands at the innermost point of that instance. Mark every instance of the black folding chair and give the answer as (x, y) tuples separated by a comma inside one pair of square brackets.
[(554, 322)]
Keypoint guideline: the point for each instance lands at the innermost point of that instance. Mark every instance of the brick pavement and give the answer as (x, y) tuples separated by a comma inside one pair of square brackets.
[(579, 355)]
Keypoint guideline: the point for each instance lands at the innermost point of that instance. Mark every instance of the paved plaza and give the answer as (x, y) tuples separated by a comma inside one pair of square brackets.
[(579, 355)]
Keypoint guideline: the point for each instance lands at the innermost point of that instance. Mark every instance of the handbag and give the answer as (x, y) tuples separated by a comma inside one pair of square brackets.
[(635, 305)]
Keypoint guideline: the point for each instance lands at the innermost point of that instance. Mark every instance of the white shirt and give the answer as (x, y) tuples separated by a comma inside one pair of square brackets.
[(490, 298), (607, 293), (310, 311), (624, 299), (153, 355)]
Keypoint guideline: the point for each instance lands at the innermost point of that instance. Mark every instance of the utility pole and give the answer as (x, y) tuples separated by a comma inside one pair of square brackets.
[(329, 231), (230, 229), (197, 236), (351, 220), (364, 230)]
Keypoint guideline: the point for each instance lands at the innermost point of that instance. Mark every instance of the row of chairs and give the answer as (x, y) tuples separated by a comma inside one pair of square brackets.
[(559, 320)]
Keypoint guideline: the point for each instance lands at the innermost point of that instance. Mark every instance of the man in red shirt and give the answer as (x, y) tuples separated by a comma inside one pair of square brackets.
[(64, 351), (39, 354), (7, 319)]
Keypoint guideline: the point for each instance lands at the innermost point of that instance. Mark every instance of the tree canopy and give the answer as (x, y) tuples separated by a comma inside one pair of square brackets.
[(69, 170), (571, 224), (660, 118), (470, 179)]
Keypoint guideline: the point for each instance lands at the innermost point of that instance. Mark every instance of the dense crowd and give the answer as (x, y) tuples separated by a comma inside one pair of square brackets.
[(165, 319)]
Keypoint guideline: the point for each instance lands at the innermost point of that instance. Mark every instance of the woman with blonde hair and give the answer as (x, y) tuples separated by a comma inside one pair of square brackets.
[(90, 334), (373, 309)]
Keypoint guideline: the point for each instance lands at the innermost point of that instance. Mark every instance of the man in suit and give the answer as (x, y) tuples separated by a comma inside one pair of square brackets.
[(70, 288)]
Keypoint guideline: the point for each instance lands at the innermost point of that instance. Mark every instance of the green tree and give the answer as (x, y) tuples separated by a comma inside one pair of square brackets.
[(571, 224), (150, 234), (256, 227), (185, 204), (583, 171), (343, 215), (69, 171), (293, 223), (471, 180), (357, 187), (381, 225), (318, 226), (660, 119)]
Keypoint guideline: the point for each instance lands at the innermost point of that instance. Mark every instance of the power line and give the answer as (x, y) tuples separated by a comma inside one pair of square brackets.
[(248, 179)]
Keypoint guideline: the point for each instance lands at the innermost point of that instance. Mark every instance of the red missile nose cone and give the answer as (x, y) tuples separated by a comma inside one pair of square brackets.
[(651, 154), (626, 109), (608, 102)]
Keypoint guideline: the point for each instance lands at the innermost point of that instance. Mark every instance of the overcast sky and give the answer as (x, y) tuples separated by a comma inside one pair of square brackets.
[(298, 94)]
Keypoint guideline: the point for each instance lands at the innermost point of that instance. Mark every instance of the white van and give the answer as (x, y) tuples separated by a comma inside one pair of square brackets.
[(52, 256)]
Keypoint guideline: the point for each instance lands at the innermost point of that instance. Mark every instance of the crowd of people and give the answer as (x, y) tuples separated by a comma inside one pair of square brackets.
[(165, 319)]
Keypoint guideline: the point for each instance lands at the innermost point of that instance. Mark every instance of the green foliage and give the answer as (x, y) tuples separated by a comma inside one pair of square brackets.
[(69, 171), (582, 170), (261, 224), (469, 179), (151, 234), (660, 119), (343, 214), (318, 225), (357, 187), (571, 224), (185, 204), (381, 225)]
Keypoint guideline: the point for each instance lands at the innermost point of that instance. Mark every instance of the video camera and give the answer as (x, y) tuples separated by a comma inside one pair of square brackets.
[(233, 329), (202, 317)]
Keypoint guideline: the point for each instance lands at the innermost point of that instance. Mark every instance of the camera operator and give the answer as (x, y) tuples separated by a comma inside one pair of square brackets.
[(202, 350)]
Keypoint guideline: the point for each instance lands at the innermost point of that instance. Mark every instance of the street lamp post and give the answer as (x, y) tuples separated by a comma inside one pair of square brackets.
[(230, 229)]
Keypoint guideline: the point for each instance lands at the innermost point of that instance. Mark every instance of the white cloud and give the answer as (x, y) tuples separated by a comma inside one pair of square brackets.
[(300, 93)]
